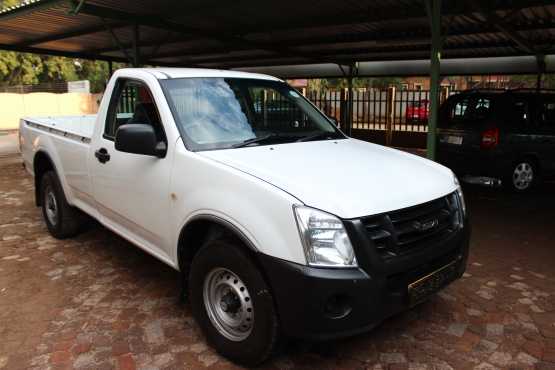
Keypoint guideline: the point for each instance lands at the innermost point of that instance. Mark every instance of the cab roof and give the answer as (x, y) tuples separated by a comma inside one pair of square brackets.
[(170, 73)]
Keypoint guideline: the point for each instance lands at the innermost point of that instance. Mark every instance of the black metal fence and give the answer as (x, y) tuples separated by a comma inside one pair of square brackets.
[(379, 109)]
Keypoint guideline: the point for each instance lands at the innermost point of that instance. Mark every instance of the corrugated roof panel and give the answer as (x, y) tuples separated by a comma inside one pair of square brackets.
[(244, 31)]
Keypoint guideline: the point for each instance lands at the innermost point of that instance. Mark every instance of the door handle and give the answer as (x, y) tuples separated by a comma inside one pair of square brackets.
[(102, 155)]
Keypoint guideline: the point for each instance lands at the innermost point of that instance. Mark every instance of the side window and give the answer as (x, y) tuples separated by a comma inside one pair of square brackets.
[(132, 103), (547, 114), (520, 115), (482, 109), (459, 111)]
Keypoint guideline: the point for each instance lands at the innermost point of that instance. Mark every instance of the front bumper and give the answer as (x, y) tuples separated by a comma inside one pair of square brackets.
[(324, 303)]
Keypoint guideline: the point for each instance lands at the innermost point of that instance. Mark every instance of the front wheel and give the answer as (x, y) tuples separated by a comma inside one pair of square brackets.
[(523, 176), (232, 303)]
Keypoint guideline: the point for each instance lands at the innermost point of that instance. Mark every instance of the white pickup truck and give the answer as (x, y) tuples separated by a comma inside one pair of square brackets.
[(278, 223)]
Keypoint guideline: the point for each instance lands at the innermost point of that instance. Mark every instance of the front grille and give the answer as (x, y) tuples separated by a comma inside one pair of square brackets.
[(410, 229)]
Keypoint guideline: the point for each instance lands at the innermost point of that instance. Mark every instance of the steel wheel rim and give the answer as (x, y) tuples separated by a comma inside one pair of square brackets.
[(523, 176), (228, 304), (51, 206)]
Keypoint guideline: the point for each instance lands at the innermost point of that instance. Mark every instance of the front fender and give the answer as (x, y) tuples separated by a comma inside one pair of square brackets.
[(260, 211)]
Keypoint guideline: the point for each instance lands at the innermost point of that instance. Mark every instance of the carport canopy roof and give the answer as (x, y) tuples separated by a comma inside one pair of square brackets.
[(252, 33)]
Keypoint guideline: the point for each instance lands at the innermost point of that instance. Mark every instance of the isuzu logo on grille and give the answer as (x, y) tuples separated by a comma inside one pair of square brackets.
[(425, 226)]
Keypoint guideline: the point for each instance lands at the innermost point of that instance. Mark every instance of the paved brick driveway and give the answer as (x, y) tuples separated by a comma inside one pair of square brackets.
[(96, 302)]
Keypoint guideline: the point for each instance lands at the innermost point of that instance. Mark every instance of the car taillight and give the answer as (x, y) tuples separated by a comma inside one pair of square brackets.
[(490, 138)]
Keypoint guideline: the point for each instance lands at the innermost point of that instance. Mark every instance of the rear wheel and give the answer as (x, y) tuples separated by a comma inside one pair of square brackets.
[(232, 303), (62, 219), (523, 176)]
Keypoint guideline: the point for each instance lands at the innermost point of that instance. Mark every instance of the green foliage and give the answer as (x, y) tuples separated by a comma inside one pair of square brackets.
[(19, 68), (58, 69), (97, 73), (382, 82), (548, 81), (27, 69), (7, 3), (341, 83), (317, 85)]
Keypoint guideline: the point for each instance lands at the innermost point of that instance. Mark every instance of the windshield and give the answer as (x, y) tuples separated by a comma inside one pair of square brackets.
[(221, 113)]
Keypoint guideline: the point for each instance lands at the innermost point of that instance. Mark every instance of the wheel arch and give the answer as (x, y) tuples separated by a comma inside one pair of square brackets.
[(204, 227), (534, 157), (42, 163)]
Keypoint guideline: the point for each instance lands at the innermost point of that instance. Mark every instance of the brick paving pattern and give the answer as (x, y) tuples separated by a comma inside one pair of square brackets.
[(97, 302)]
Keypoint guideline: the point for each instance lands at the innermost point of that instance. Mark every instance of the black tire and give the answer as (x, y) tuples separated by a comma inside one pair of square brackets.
[(219, 254), (523, 176), (64, 220)]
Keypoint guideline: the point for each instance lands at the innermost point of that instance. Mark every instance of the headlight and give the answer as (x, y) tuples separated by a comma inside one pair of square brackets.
[(325, 240), (460, 193)]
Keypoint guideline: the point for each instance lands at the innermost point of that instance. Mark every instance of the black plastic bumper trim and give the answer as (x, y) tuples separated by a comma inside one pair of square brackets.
[(374, 291)]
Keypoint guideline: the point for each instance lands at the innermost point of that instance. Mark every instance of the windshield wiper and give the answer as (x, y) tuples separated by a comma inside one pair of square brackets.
[(318, 136), (257, 140)]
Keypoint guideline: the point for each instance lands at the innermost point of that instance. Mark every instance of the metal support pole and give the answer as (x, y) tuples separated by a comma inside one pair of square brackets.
[(389, 118), (136, 49), (349, 128), (540, 58), (434, 13), (110, 68)]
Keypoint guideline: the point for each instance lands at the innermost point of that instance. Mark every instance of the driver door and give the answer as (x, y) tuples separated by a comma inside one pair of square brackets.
[(131, 190)]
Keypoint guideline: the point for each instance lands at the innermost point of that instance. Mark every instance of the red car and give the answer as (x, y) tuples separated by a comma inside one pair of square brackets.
[(417, 110)]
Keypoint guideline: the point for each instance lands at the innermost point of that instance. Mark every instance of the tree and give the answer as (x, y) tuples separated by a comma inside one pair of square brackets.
[(381, 82), (360, 82), (58, 69), (8, 3), (26, 69), (317, 85), (19, 68), (96, 72), (530, 81)]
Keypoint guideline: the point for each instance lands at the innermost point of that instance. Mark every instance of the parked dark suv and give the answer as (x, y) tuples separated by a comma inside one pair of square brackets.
[(506, 135)]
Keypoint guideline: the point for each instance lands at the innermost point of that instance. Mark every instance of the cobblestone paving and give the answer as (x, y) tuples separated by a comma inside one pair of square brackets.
[(96, 302)]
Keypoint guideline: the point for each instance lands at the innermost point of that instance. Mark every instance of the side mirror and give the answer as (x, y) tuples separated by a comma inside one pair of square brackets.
[(335, 121), (139, 138)]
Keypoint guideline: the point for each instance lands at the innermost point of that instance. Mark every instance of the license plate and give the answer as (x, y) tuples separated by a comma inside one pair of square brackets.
[(456, 140), (431, 283)]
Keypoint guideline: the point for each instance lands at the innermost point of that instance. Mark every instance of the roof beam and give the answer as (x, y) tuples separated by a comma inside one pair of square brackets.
[(153, 21), (61, 53), (156, 22), (69, 34), (23, 9), (117, 42), (420, 36), (371, 14), (149, 43), (76, 55), (499, 23), (522, 43), (347, 56)]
